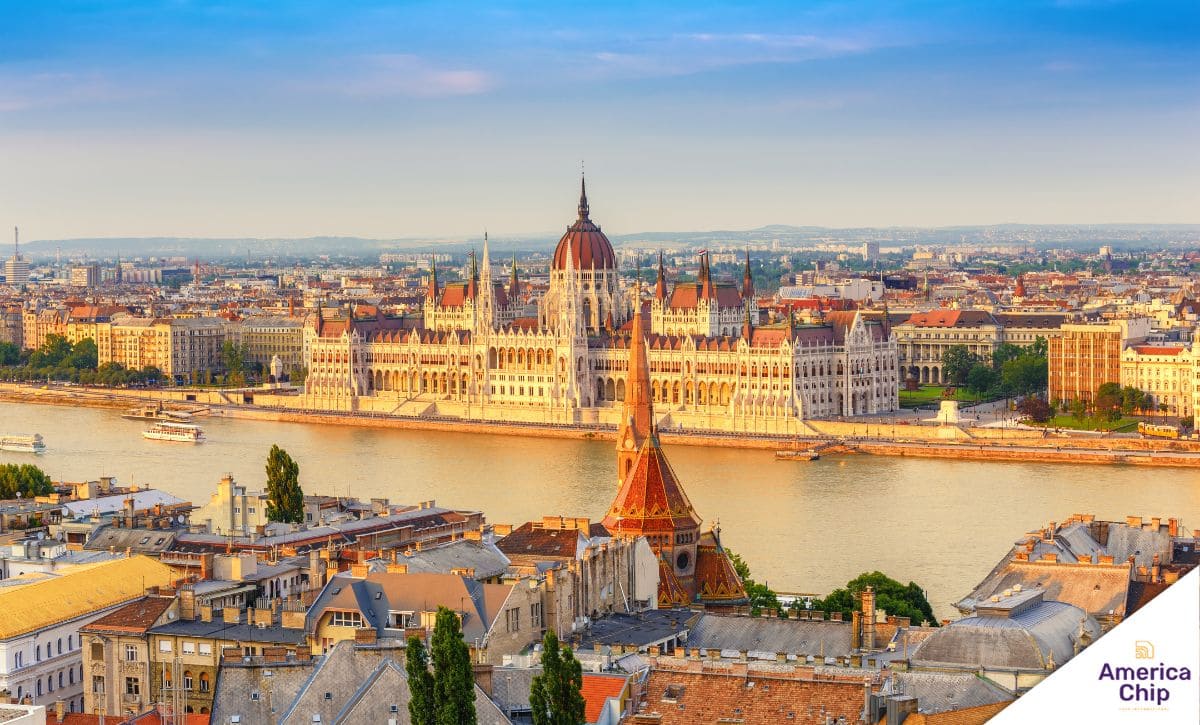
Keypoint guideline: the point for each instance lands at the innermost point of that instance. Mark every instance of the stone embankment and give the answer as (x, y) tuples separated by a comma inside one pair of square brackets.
[(831, 438)]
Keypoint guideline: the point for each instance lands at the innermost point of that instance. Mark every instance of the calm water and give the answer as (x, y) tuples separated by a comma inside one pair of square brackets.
[(802, 526)]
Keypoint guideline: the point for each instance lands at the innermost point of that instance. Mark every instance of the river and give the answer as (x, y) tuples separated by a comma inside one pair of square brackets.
[(805, 527)]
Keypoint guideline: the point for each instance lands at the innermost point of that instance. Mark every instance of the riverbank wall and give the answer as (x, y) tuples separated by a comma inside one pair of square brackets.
[(873, 437)]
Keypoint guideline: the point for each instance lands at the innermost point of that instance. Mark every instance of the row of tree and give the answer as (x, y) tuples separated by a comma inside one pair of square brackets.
[(1012, 370), (441, 683), (26, 480)]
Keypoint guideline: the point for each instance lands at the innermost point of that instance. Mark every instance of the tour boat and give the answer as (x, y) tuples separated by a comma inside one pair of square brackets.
[(180, 432), (786, 455), (154, 413), (22, 443)]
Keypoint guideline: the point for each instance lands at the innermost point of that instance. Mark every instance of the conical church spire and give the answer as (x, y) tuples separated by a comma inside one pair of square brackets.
[(660, 284), (637, 417), (432, 292), (747, 280)]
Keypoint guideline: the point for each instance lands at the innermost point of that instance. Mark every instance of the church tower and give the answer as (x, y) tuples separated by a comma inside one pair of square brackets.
[(637, 417)]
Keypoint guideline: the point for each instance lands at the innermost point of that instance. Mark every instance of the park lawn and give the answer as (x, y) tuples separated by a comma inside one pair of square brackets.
[(1070, 422), (928, 394)]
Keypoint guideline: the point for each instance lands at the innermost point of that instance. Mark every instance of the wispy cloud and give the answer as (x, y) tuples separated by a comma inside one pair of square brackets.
[(46, 89), (688, 53), (384, 75)]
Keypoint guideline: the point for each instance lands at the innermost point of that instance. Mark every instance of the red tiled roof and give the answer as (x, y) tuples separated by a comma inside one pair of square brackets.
[(650, 499), (716, 579), (596, 689), (137, 616), (1158, 349)]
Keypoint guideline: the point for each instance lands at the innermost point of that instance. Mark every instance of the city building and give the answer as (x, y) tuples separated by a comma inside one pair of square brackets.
[(16, 267), (923, 339), (178, 347), (264, 337), (1086, 356), (1165, 372), (712, 365), (116, 647), (40, 641), (85, 275)]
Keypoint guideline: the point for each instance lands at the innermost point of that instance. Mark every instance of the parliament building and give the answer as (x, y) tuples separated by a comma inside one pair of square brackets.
[(475, 353)]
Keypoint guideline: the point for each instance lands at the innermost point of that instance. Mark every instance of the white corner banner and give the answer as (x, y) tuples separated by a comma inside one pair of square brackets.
[(1144, 670)]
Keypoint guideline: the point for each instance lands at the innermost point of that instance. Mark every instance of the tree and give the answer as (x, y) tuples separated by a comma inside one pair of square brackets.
[(453, 683), (981, 378), (957, 361), (10, 354), (1108, 401), (1078, 408), (26, 479), (761, 596), (233, 357), (1005, 352), (1025, 374), (421, 707), (555, 696), (1132, 400), (1040, 347), (84, 355), (285, 499), (902, 600), (1035, 408)]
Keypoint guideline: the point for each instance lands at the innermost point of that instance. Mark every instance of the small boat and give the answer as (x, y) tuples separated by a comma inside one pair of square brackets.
[(788, 455), (154, 412), (178, 432), (23, 443)]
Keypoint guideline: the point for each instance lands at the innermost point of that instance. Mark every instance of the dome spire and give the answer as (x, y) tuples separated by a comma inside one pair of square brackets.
[(583, 202)]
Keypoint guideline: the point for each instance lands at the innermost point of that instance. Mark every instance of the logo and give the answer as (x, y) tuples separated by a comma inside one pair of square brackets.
[(1145, 684)]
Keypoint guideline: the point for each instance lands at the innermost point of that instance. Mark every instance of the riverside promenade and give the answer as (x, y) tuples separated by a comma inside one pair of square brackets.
[(868, 436)]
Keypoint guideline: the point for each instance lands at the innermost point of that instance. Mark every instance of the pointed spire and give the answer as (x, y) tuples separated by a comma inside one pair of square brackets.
[(747, 326), (514, 286), (432, 292), (473, 280), (660, 284), (637, 417), (583, 202), (487, 265), (705, 277), (747, 280)]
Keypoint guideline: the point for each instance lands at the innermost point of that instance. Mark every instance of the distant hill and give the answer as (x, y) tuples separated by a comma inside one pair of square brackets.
[(1065, 235)]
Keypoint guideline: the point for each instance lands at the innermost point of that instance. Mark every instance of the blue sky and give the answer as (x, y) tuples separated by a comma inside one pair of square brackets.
[(438, 119)]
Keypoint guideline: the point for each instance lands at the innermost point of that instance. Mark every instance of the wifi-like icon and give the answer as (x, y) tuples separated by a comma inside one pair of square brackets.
[(1143, 650)]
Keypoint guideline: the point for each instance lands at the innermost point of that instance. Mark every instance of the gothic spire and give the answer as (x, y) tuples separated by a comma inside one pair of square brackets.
[(747, 280), (660, 284), (513, 285), (432, 292), (583, 202), (637, 417)]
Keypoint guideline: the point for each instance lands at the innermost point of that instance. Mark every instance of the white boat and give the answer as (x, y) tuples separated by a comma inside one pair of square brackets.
[(22, 443), (179, 432)]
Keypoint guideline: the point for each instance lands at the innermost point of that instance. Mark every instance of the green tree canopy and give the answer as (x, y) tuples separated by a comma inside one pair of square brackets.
[(957, 362), (555, 696), (982, 378), (421, 708), (10, 354), (25, 479), (285, 499), (84, 355), (453, 681), (1109, 400), (1024, 374), (902, 600)]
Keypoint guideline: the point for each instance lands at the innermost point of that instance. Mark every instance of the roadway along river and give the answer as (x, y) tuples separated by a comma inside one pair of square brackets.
[(806, 527)]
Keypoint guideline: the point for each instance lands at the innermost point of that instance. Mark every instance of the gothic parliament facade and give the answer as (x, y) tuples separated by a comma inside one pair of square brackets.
[(476, 353)]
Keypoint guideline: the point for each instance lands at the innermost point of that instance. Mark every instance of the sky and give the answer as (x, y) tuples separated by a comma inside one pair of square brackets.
[(271, 119)]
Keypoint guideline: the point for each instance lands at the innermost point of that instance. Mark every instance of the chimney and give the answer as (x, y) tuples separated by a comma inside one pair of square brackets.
[(1155, 570), (868, 610), (231, 615), (60, 709), (1155, 523), (483, 677), (1173, 527), (1133, 521), (1050, 558), (206, 612)]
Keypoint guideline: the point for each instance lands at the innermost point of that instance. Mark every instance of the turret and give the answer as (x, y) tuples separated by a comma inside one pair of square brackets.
[(514, 287), (747, 280), (432, 293), (660, 284)]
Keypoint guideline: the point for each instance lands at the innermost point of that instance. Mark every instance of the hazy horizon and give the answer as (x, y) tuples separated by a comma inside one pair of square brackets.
[(284, 120)]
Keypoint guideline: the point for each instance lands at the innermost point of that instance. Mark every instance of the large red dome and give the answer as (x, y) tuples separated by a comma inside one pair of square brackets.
[(589, 247)]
